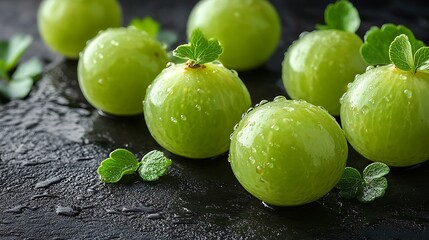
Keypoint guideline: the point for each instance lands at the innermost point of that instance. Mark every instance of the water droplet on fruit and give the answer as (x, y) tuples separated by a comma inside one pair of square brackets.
[(249, 110), (114, 43), (235, 126), (303, 34), (343, 98), (254, 150), (252, 160), (230, 136), (289, 108), (234, 72), (403, 77), (198, 107), (365, 109), (371, 101), (274, 127), (259, 169), (357, 75), (369, 68), (350, 85), (408, 93), (100, 45), (262, 102), (279, 98), (270, 164), (100, 56), (100, 81), (243, 115), (170, 64), (174, 120), (183, 117)]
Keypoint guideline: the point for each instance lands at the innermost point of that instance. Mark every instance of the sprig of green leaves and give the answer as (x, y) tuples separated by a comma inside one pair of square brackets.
[(372, 185), (153, 29), (377, 41), (15, 84), (401, 54), (341, 15), (200, 50), (123, 162)]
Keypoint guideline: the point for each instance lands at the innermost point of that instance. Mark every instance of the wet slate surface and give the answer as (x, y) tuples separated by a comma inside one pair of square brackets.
[(52, 142)]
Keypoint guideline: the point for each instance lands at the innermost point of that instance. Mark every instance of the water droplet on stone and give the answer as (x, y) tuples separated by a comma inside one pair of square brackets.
[(67, 211), (48, 182)]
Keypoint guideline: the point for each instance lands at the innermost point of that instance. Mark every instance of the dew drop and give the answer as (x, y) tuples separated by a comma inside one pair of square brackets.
[(263, 102), (270, 164), (251, 160), (114, 43), (371, 101), (365, 109), (198, 107), (403, 77), (357, 75), (235, 126), (183, 117), (279, 98), (100, 56), (254, 150), (230, 136), (249, 110), (174, 120), (100, 45), (303, 34), (234, 72), (274, 127), (350, 85), (259, 169), (370, 67), (408, 93), (170, 64), (100, 81)]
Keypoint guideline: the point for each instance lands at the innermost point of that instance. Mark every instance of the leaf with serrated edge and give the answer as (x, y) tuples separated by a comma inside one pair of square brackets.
[(375, 49), (421, 58), (341, 15), (375, 170), (121, 162), (373, 189), (147, 24), (199, 50), (154, 165), (401, 54)]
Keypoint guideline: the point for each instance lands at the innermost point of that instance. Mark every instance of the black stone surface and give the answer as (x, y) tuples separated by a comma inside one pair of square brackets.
[(52, 142)]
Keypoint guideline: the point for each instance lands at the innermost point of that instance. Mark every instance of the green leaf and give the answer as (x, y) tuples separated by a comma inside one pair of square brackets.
[(401, 54), (147, 24), (375, 49), (199, 50), (373, 189), (375, 170), (18, 88), (341, 15), (28, 69), (12, 50), (154, 165), (421, 58), (350, 183), (121, 162)]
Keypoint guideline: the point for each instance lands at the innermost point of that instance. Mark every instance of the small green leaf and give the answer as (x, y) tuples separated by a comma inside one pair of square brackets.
[(401, 54), (121, 162), (341, 15), (199, 50), (375, 50), (373, 189), (17, 88), (147, 24), (28, 69), (350, 183), (154, 165), (12, 50), (375, 170), (421, 58)]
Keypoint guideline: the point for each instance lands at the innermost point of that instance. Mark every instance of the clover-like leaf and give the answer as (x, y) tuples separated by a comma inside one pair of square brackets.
[(375, 49), (12, 50), (421, 58), (400, 53), (200, 50), (341, 15), (350, 183), (372, 190), (120, 162), (375, 170), (154, 165)]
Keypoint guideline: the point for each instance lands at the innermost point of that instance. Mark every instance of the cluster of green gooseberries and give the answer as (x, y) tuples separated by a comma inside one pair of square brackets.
[(284, 152)]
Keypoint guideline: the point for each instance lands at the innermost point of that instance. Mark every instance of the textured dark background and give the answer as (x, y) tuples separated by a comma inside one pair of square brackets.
[(52, 143)]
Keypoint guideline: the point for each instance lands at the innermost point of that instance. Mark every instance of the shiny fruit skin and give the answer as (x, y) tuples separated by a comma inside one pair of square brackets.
[(288, 152), (385, 115), (66, 25), (117, 66), (191, 112), (318, 66), (249, 30)]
